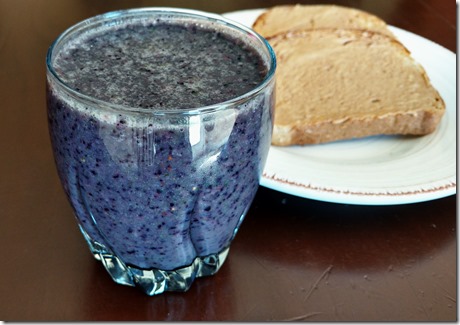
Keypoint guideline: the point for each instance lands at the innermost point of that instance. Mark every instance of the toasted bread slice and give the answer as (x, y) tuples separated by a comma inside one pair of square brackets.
[(335, 84), (281, 19)]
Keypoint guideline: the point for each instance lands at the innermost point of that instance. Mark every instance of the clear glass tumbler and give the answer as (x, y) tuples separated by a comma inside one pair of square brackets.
[(159, 194)]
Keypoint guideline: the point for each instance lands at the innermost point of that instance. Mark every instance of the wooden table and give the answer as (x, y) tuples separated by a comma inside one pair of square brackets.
[(293, 259)]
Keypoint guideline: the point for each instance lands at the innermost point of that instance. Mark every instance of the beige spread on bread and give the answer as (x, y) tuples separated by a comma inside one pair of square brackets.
[(287, 18), (336, 83)]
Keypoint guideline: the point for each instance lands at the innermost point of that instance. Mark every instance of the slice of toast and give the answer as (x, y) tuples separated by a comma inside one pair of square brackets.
[(335, 84), (288, 18)]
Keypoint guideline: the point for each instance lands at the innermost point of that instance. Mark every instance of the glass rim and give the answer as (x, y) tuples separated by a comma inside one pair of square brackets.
[(271, 64)]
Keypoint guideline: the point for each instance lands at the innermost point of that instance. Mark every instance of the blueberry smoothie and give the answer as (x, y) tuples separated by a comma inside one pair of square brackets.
[(160, 125)]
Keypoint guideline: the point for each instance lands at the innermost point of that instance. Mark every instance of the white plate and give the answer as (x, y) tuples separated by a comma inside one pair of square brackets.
[(379, 170)]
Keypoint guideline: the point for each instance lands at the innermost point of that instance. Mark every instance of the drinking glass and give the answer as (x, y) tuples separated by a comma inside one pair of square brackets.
[(160, 194)]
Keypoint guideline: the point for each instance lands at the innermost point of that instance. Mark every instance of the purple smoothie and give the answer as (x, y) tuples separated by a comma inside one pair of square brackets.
[(161, 184)]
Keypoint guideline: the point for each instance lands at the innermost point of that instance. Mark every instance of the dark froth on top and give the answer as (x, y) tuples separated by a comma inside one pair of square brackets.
[(160, 65)]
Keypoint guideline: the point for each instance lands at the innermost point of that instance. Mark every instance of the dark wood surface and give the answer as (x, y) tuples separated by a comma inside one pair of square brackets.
[(293, 259)]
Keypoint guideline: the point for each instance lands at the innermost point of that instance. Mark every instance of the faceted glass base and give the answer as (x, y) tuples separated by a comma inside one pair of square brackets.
[(155, 281)]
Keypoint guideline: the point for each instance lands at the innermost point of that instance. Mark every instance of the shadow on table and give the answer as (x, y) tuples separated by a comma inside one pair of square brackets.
[(299, 231)]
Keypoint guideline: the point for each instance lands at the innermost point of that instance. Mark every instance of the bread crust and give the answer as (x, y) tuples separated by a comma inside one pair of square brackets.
[(418, 123)]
